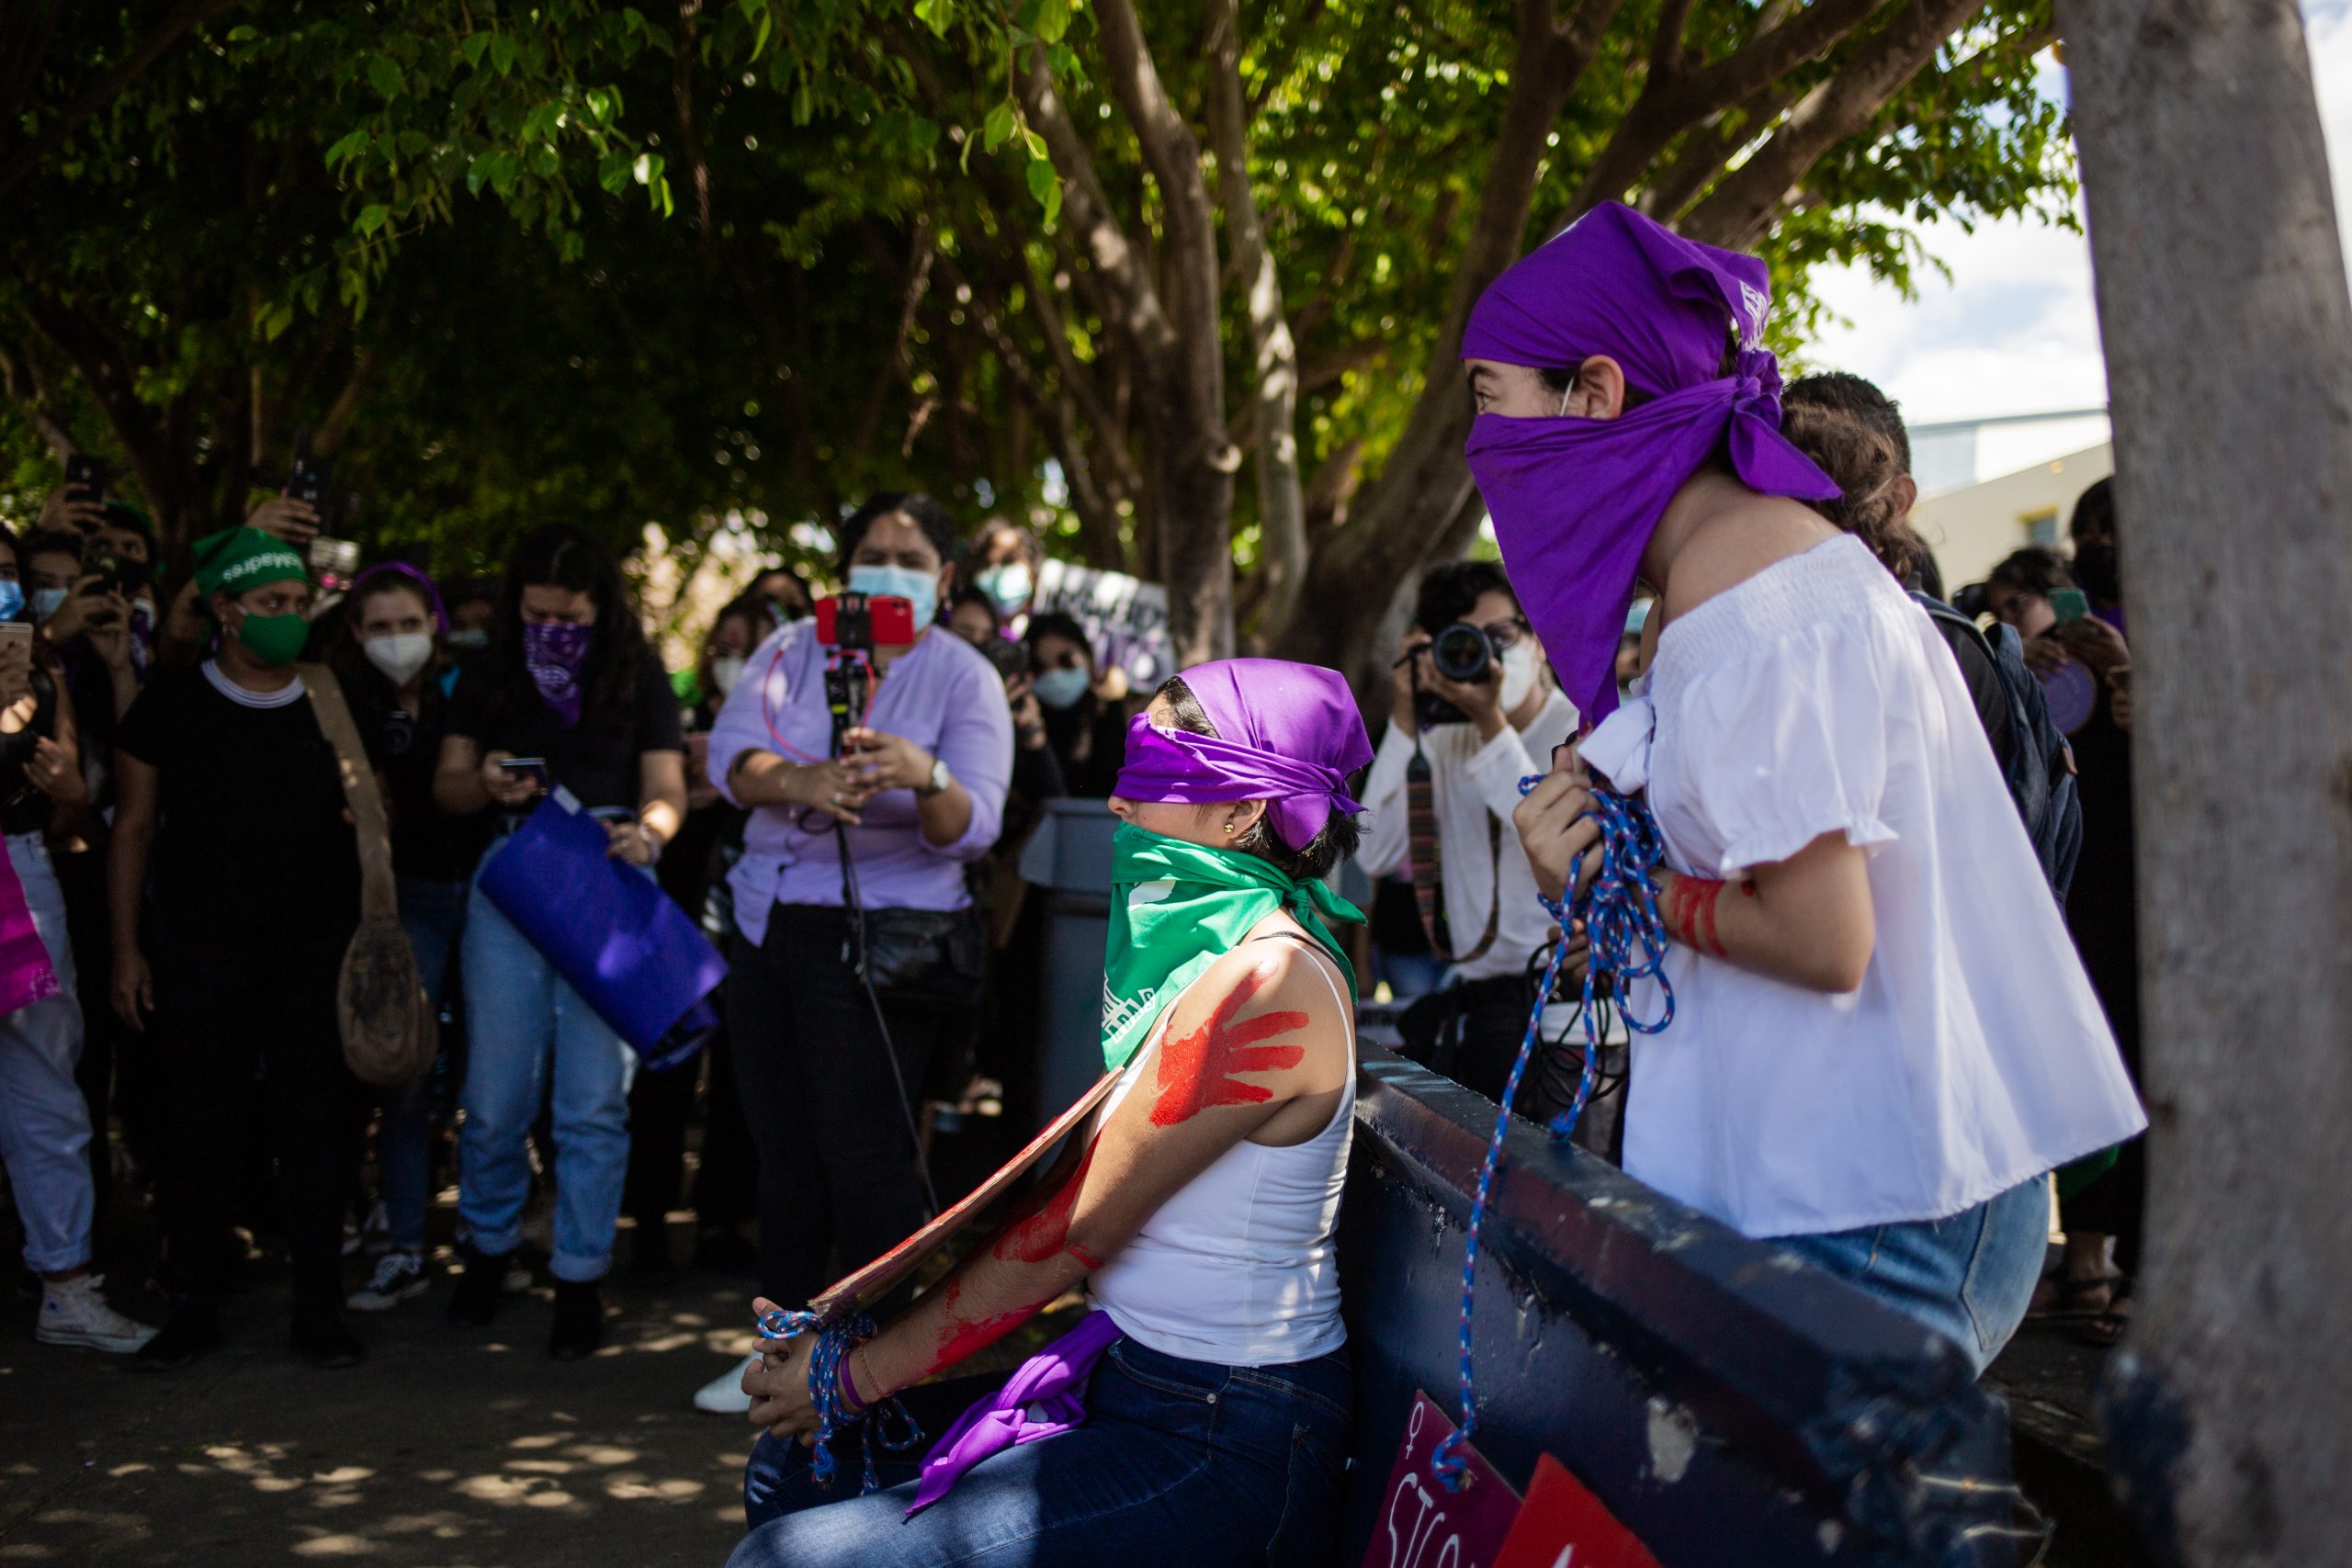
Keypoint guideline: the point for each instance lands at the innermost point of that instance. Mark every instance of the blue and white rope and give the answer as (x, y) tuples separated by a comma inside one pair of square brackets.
[(833, 1414), (1628, 942)]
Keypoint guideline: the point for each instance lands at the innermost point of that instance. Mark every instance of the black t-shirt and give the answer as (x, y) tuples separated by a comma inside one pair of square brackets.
[(251, 848), (596, 758), (426, 840)]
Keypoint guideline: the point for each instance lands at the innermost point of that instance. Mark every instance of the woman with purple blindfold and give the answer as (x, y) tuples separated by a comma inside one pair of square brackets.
[(1197, 1417), (1881, 1039)]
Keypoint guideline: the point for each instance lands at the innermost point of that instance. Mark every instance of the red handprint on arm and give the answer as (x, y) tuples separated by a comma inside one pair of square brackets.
[(1196, 1071)]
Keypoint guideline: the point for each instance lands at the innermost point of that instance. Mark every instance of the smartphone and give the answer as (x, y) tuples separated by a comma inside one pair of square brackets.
[(307, 480), (336, 561), (856, 621), (86, 478), (2068, 604), (533, 768), (16, 634)]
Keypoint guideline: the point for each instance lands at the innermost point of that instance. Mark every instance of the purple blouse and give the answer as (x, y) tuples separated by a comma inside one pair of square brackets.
[(943, 695)]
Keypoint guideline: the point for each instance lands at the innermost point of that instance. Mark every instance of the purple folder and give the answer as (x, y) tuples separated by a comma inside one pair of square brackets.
[(610, 931)]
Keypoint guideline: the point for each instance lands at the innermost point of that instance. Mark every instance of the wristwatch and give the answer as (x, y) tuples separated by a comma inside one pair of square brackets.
[(939, 777)]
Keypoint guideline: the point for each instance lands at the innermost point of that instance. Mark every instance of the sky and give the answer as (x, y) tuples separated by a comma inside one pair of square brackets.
[(2013, 331)]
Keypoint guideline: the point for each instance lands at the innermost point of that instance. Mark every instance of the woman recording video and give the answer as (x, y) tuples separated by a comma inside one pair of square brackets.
[(572, 697), (911, 787)]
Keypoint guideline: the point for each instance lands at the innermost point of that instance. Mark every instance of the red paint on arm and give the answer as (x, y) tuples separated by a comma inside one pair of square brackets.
[(1042, 1231), (1689, 913), (1196, 1071), (960, 1335)]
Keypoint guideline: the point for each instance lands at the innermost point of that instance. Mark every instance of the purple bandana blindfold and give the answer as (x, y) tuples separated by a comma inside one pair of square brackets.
[(1575, 501), (1286, 733)]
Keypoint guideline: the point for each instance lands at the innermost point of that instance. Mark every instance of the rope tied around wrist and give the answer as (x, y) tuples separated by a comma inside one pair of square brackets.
[(1627, 941), (836, 1411)]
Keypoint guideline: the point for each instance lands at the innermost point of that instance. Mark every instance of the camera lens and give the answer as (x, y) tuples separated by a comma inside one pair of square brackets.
[(1461, 653)]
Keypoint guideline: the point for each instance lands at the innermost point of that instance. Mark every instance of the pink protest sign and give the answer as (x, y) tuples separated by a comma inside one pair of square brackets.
[(1564, 1526), (1422, 1525)]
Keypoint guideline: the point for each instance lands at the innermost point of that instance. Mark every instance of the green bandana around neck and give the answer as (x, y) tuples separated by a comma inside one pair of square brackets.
[(1176, 908)]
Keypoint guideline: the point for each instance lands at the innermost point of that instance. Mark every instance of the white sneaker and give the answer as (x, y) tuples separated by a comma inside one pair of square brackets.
[(398, 1277), (724, 1395), (75, 1313)]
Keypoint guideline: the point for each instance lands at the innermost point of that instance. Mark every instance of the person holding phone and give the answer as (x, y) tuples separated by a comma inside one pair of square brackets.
[(234, 885), (1881, 1042), (568, 682), (914, 795), (48, 1142)]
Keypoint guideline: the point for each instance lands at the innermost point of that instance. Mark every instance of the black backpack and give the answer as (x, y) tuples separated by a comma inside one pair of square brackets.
[(2038, 765)]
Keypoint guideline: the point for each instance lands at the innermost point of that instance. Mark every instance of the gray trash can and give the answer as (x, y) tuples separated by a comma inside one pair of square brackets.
[(1068, 860)]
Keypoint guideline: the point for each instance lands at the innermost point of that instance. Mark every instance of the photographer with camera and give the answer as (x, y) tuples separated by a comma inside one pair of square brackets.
[(1474, 705), (858, 938), (569, 696)]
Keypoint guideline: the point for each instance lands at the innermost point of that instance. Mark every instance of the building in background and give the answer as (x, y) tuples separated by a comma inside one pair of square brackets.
[(1988, 486)]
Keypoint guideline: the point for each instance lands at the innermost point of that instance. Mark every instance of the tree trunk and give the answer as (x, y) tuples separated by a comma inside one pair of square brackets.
[(2223, 301)]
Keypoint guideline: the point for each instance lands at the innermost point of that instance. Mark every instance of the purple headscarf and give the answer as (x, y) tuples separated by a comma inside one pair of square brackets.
[(1286, 733), (1575, 501)]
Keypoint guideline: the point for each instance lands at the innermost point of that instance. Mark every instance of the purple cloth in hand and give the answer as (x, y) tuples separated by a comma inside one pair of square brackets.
[(1286, 733), (1045, 1397), (554, 651), (1575, 501)]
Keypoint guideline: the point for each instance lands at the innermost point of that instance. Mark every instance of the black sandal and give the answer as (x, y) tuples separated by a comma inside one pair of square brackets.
[(2105, 1329), (2071, 1292)]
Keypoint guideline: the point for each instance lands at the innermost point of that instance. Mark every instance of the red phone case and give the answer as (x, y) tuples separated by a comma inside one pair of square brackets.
[(893, 620)]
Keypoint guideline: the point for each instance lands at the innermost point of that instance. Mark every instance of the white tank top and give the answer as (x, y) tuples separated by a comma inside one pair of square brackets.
[(1238, 1268)]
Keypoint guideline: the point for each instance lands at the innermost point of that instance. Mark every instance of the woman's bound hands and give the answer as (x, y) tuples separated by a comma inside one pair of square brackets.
[(778, 1385)]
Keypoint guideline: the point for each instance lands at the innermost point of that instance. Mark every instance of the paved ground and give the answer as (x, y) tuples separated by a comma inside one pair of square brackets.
[(450, 1448)]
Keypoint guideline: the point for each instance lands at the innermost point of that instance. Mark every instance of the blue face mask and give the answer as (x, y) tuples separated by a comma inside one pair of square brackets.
[(1007, 586), (12, 598), (1061, 688), (46, 602), (899, 582)]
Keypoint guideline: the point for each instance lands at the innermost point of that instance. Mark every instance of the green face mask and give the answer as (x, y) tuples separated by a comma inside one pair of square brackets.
[(276, 640)]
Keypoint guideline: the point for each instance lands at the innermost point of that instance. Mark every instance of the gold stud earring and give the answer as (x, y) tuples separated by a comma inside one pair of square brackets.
[(1229, 828)]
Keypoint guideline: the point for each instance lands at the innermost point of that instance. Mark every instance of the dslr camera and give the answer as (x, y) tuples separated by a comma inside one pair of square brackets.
[(1461, 653)]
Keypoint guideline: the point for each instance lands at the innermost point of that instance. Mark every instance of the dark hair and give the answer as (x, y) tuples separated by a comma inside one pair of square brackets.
[(1033, 550), (1838, 391), (46, 541), (1866, 466), (1055, 622), (2037, 568), (924, 513), (970, 596), (1334, 844), (559, 555), (2094, 508), (754, 606), (353, 669), (1449, 592)]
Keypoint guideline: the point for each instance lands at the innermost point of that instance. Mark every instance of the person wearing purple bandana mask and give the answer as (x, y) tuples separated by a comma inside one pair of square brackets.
[(570, 685), (1197, 1207), (1882, 1039)]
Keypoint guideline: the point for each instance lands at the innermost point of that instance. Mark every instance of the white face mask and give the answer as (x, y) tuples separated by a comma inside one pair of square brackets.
[(398, 655), (1518, 673), (725, 672)]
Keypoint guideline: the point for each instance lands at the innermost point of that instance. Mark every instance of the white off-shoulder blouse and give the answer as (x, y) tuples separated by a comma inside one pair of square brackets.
[(1816, 698)]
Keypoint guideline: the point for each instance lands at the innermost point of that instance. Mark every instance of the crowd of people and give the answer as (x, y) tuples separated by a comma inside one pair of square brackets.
[(1920, 814)]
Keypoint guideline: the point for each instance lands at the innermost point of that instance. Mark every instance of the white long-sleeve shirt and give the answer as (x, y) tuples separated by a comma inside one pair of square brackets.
[(1472, 781)]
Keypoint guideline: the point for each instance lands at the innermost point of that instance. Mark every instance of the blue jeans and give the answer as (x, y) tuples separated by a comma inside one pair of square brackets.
[(432, 914), (520, 1017), (1179, 1464), (1968, 1277), (45, 1132)]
